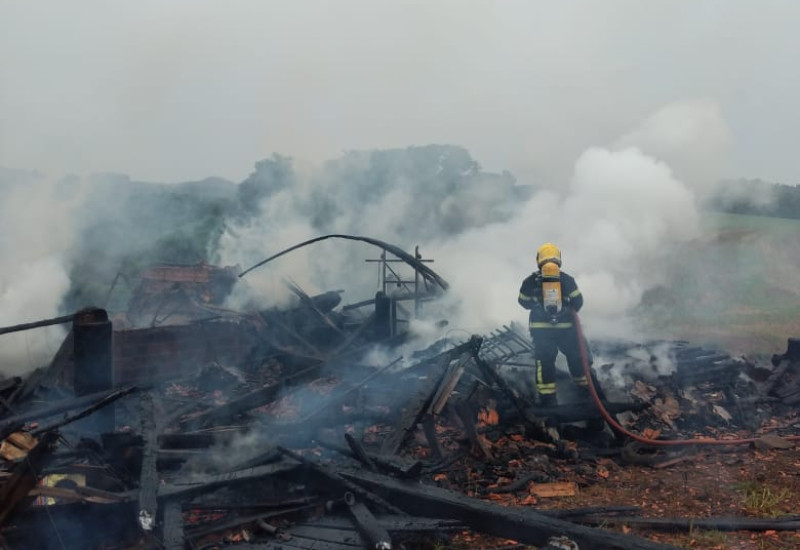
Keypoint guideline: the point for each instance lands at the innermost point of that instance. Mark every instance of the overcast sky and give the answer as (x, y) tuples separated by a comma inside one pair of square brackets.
[(183, 89)]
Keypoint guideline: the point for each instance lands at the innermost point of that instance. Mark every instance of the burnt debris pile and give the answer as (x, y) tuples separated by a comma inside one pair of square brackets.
[(322, 425)]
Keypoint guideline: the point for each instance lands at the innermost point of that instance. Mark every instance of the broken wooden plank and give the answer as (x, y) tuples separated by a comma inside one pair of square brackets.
[(148, 478), (418, 405), (66, 405), (396, 465), (192, 487), (337, 479), (240, 521), (467, 416), (393, 524), (360, 453), (104, 402), (374, 534), (688, 524), (173, 537)]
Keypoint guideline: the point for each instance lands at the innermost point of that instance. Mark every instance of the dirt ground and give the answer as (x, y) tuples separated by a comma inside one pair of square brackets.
[(738, 482), (719, 482)]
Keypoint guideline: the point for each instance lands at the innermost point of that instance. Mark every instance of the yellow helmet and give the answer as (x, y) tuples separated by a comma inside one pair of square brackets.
[(548, 252)]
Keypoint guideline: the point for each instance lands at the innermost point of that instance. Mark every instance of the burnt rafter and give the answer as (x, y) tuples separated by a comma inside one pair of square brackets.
[(427, 273)]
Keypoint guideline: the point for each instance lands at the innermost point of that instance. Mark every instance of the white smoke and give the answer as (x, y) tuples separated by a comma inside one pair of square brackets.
[(617, 222), (691, 136), (35, 230)]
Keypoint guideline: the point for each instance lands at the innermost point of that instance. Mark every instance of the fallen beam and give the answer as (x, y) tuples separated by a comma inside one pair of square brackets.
[(246, 402), (522, 524), (791, 523), (193, 487)]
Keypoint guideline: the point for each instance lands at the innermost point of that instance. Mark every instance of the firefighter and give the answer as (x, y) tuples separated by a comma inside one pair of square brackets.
[(552, 296)]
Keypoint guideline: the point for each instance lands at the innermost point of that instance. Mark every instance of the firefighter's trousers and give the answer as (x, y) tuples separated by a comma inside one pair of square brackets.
[(548, 341)]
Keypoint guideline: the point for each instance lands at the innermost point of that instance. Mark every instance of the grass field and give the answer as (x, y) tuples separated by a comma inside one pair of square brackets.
[(737, 288)]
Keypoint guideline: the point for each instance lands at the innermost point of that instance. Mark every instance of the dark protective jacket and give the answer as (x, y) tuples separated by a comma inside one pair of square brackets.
[(530, 297)]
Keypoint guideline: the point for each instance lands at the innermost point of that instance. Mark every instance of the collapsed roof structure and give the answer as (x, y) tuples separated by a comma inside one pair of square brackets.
[(184, 424)]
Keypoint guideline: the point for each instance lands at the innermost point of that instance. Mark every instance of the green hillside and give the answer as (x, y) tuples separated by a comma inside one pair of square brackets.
[(737, 287)]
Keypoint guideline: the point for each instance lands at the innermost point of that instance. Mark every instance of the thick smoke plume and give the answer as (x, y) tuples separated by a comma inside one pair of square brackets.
[(35, 230), (617, 220)]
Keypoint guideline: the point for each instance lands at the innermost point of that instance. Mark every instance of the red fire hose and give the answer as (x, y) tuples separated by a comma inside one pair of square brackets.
[(657, 442)]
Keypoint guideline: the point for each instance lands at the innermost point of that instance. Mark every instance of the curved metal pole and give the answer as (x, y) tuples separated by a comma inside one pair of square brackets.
[(426, 272)]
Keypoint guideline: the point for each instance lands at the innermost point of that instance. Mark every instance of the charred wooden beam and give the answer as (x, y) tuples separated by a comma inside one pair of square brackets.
[(791, 523), (535, 424), (467, 416), (251, 400), (240, 521), (374, 534), (83, 494), (429, 427), (300, 543), (522, 524), (394, 524), (173, 537), (341, 395), (338, 480), (148, 478), (393, 464), (105, 402), (360, 453), (418, 406), (63, 406), (195, 486)]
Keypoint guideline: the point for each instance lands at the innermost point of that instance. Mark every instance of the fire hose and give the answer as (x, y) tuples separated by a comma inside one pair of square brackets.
[(641, 439)]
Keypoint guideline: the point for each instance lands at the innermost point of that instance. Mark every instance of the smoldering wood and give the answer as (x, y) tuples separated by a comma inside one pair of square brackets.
[(791, 523), (194, 486), (83, 494), (350, 537), (535, 424), (106, 401), (173, 536), (297, 543), (392, 464), (148, 478), (250, 400), (522, 524), (429, 428), (468, 417), (393, 524), (418, 405), (337, 479), (340, 396), (360, 453), (374, 534), (67, 405), (239, 521)]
